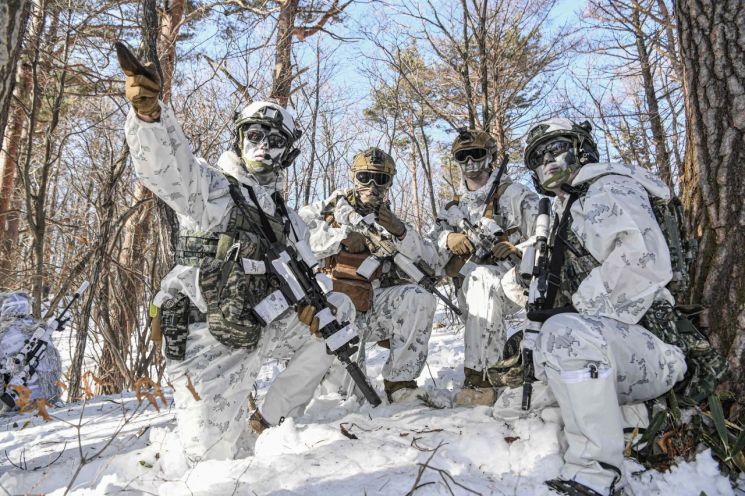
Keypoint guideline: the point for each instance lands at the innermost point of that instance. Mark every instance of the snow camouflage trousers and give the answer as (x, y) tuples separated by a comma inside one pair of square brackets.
[(402, 314)]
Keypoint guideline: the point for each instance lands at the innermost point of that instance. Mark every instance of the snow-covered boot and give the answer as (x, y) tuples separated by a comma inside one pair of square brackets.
[(593, 425), (258, 423), (401, 391), (477, 390)]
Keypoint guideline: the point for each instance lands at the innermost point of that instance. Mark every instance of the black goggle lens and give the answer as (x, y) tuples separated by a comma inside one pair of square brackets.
[(379, 178), (475, 154), (553, 148), (256, 136)]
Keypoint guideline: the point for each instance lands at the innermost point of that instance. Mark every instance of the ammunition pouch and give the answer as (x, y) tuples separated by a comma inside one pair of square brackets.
[(231, 295), (706, 366), (343, 273)]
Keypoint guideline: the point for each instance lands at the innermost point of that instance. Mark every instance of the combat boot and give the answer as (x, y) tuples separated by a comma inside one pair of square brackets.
[(258, 423), (476, 390), (401, 391)]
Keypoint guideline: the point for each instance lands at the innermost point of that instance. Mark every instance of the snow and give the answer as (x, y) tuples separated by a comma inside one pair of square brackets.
[(133, 449)]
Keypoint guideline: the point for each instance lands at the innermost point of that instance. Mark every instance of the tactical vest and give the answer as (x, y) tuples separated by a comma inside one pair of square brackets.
[(388, 274), (670, 324), (229, 291)]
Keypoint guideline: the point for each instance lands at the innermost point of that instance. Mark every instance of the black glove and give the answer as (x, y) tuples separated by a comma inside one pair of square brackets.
[(544, 315)]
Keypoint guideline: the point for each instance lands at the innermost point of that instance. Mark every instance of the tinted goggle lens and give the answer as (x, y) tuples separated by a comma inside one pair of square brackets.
[(475, 154), (273, 140), (379, 178), (553, 148)]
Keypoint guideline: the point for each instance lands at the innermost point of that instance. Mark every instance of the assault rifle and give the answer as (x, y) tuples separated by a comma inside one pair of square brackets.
[(485, 237), (382, 248), (19, 370), (487, 234), (300, 285), (534, 267)]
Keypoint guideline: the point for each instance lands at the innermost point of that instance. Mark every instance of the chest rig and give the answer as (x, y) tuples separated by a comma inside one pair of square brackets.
[(232, 275), (387, 274), (570, 262)]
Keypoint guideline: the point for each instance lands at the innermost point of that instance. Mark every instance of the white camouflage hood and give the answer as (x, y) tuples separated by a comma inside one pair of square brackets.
[(651, 182)]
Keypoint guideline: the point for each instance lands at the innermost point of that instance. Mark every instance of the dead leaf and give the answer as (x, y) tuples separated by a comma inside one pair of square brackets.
[(191, 389), (41, 409)]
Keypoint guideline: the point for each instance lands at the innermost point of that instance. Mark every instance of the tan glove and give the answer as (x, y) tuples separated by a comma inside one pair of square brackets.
[(459, 244), (392, 224), (307, 315), (354, 242), (504, 249), (142, 85), (143, 92)]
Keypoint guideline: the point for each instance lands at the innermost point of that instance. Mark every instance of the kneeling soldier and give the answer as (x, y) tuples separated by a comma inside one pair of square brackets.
[(367, 250)]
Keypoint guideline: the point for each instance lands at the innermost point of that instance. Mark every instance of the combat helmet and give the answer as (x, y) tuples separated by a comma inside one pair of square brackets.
[(584, 147), (272, 115), (374, 160), (474, 150)]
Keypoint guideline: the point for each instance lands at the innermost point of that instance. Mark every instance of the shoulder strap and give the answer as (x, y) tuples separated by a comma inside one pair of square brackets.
[(240, 202), (558, 250)]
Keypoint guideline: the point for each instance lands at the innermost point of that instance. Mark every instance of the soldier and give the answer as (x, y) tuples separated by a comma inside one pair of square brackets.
[(609, 265), (390, 310), (510, 206), (216, 301), (17, 325)]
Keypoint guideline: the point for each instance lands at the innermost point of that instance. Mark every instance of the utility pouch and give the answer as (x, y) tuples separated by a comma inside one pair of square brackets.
[(231, 294), (706, 366), (456, 262), (360, 292), (346, 265), (174, 326)]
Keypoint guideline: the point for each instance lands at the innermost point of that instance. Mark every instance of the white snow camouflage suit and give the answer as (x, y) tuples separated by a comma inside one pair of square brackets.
[(599, 358), (16, 326), (402, 313), (223, 377), (485, 295)]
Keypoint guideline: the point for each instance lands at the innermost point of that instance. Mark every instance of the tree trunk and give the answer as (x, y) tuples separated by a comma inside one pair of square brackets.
[(14, 16), (9, 157), (713, 54), (662, 156), (282, 80)]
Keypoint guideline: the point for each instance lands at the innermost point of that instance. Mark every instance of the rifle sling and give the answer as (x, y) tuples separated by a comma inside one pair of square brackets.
[(558, 251)]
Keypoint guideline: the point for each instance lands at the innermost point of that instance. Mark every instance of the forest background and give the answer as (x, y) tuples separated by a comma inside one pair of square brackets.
[(663, 84)]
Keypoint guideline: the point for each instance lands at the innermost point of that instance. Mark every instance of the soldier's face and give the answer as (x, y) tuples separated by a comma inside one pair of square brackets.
[(557, 161), (262, 146)]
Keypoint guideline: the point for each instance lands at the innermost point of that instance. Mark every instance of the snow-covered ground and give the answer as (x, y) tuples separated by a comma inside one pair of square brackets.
[(112, 445)]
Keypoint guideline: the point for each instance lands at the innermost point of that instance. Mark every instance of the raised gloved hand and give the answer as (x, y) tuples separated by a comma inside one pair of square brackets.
[(307, 315), (392, 224), (142, 86), (354, 242), (459, 244), (504, 249)]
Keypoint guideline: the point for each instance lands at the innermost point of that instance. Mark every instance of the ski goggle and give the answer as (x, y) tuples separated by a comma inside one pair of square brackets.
[(367, 177), (554, 148), (257, 136), (475, 154)]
